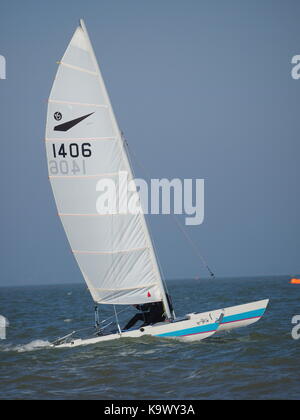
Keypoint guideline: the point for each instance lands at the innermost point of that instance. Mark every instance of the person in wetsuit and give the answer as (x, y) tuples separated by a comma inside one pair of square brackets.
[(151, 313)]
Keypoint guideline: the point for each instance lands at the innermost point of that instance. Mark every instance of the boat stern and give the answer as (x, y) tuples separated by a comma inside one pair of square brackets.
[(242, 315)]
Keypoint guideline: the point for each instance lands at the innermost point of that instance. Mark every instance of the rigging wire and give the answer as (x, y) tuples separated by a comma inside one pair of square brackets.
[(194, 246), (128, 154), (179, 225), (116, 315), (98, 323)]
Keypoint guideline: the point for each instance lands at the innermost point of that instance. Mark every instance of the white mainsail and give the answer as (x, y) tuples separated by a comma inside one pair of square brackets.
[(84, 145)]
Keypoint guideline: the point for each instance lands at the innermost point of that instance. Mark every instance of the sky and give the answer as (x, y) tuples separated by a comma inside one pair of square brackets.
[(201, 89)]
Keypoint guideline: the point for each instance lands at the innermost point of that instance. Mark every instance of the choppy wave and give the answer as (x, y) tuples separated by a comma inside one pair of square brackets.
[(32, 346)]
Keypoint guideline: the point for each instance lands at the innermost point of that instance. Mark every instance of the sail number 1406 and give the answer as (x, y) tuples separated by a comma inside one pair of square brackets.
[(62, 164), (74, 150)]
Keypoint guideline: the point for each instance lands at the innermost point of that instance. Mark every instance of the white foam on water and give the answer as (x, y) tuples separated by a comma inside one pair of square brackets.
[(33, 345)]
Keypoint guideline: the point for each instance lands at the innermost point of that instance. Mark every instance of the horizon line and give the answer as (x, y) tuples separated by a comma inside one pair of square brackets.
[(170, 279)]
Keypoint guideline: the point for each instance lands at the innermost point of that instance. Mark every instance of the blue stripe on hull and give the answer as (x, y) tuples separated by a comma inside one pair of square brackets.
[(191, 331), (245, 315), (213, 327)]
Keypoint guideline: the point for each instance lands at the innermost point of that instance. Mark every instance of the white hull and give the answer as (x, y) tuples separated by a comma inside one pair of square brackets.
[(193, 327)]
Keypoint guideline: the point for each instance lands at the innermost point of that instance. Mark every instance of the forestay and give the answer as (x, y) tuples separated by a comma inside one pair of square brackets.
[(84, 145)]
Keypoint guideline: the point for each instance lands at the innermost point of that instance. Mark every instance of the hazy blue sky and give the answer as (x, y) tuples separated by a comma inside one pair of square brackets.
[(202, 89)]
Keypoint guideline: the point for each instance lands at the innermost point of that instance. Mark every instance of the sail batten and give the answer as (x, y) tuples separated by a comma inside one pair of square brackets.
[(83, 176), (83, 139), (118, 251), (143, 286), (84, 144), (94, 73), (57, 101)]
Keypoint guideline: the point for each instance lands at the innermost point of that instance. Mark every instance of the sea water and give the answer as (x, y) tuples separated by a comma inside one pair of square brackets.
[(257, 362)]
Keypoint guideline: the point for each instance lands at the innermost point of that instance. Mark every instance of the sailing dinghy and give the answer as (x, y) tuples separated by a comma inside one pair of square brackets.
[(114, 251)]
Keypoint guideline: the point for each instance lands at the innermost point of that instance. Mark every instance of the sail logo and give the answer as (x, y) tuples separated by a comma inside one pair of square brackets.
[(57, 116), (66, 126), (2, 67), (120, 195)]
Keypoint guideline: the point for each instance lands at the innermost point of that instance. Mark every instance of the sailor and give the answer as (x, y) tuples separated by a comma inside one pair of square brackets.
[(150, 313)]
